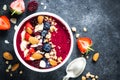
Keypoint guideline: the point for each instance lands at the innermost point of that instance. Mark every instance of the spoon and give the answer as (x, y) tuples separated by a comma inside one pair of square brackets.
[(75, 68)]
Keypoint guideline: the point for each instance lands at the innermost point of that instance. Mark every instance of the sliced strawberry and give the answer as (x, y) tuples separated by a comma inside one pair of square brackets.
[(84, 44), (31, 51), (4, 23), (27, 36), (28, 24), (17, 7), (27, 57)]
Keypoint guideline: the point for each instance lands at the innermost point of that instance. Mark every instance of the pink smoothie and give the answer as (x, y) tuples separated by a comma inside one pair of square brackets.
[(61, 39)]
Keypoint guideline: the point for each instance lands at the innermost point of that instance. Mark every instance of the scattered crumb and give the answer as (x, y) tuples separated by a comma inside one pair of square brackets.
[(15, 27), (21, 72), (6, 42), (85, 29), (88, 75), (7, 62), (73, 29), (77, 35), (45, 7), (11, 74), (10, 66), (42, 3), (93, 79), (13, 20), (7, 70), (4, 7), (87, 57), (83, 78), (96, 77)]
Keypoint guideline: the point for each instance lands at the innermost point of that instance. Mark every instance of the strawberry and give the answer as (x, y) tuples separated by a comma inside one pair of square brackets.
[(84, 44), (17, 7), (27, 36), (31, 51), (4, 23)]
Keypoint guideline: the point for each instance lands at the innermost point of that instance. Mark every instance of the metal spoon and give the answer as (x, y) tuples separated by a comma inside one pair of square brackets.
[(75, 68)]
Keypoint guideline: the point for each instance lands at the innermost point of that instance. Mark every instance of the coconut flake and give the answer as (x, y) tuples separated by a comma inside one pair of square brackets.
[(15, 27), (4, 7), (6, 42), (42, 3), (13, 20), (45, 7)]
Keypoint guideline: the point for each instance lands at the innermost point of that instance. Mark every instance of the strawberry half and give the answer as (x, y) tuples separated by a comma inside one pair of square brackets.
[(84, 44), (27, 36), (17, 7), (4, 23)]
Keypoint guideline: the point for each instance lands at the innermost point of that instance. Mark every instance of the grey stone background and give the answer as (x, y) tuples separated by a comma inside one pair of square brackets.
[(102, 20)]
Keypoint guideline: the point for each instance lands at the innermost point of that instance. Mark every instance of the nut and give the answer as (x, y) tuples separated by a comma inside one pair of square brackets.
[(40, 19), (15, 67), (83, 78), (37, 56), (95, 57), (53, 62), (29, 30), (7, 56), (33, 40)]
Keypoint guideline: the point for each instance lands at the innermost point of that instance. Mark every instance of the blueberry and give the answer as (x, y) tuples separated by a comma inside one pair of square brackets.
[(43, 33), (48, 64), (47, 25), (46, 47)]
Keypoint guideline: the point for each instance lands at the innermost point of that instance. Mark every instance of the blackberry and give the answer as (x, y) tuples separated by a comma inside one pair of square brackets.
[(32, 6), (34, 21)]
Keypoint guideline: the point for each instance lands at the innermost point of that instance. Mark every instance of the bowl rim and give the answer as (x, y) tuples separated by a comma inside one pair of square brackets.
[(63, 22)]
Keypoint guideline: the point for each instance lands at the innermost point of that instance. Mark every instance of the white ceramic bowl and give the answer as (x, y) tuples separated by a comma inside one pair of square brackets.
[(58, 18)]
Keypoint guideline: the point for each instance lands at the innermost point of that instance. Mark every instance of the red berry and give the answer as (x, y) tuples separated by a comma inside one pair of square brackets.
[(28, 24), (32, 6), (31, 51), (27, 36)]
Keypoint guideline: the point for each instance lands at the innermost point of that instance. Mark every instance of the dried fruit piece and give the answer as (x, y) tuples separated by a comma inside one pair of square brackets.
[(40, 19), (7, 56), (15, 67), (37, 56), (95, 57), (33, 40), (53, 62)]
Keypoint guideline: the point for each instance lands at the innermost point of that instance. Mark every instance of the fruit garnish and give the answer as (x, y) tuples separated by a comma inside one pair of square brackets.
[(27, 36), (29, 28), (4, 23), (17, 7), (47, 47), (32, 6), (84, 44)]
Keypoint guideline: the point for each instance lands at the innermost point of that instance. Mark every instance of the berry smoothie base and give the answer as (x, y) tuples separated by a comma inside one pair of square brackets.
[(61, 40)]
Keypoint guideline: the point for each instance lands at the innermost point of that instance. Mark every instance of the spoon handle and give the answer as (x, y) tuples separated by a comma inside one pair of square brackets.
[(66, 78)]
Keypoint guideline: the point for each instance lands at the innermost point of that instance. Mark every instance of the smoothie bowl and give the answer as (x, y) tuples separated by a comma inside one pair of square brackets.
[(43, 42)]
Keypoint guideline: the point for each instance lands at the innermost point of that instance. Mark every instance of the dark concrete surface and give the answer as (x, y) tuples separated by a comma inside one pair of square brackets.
[(102, 20)]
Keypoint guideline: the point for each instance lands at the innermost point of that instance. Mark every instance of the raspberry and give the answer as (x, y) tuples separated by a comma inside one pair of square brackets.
[(32, 6)]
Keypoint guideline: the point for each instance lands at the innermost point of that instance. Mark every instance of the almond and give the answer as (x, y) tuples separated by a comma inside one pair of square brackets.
[(33, 40), (29, 30), (95, 57), (15, 67), (40, 19), (7, 56), (53, 62), (37, 56)]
